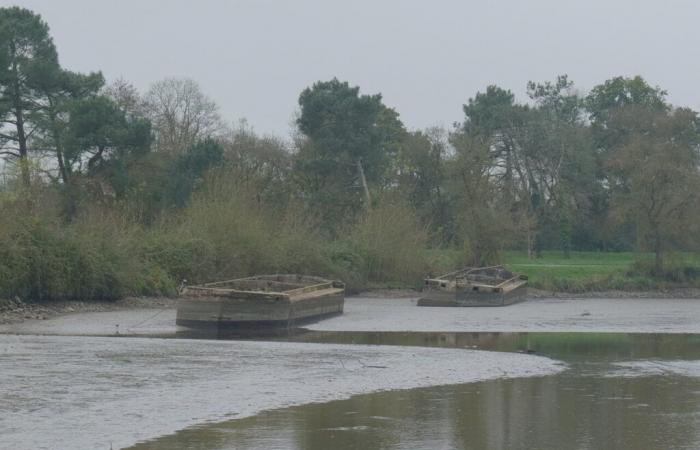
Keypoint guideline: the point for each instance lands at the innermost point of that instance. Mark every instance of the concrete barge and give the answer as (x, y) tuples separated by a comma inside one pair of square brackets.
[(475, 286), (259, 303)]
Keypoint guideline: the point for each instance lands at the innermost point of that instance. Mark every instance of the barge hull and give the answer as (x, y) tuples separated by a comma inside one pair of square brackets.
[(254, 314), (466, 298)]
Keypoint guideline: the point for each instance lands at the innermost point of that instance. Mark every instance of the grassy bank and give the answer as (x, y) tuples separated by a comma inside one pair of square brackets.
[(598, 271)]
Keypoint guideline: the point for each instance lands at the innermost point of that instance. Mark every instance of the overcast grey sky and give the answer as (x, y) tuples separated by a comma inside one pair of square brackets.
[(426, 57)]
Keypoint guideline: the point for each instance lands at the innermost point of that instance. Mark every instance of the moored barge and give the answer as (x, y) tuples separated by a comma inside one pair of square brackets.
[(475, 286), (259, 303)]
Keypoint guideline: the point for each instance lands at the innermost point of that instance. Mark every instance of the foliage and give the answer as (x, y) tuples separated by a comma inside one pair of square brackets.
[(97, 257), (111, 193), (390, 244), (28, 60), (189, 167), (656, 178), (350, 138)]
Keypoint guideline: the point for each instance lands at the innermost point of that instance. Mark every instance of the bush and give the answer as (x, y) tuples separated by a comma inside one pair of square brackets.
[(391, 245), (225, 231), (676, 270), (94, 258)]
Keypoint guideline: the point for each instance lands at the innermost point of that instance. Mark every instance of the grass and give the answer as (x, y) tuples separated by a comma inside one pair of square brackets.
[(591, 271), (580, 266)]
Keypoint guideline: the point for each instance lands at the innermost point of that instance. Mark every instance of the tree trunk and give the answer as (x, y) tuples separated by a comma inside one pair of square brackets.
[(62, 166), (658, 257), (22, 144), (23, 152), (19, 116), (361, 172), (63, 170)]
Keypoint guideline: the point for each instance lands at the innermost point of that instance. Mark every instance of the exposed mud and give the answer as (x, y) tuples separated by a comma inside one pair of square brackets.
[(16, 311), (646, 315), (628, 315), (61, 392)]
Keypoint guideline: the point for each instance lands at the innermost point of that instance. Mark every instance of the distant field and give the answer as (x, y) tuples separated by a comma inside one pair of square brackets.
[(585, 270), (581, 265), (589, 271)]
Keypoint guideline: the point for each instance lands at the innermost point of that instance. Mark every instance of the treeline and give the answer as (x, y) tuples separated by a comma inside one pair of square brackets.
[(110, 192)]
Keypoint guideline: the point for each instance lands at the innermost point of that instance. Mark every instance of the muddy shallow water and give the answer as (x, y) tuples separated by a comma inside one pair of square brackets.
[(620, 391), (363, 380), (81, 392)]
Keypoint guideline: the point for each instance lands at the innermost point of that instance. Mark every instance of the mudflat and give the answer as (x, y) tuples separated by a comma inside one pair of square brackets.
[(400, 313)]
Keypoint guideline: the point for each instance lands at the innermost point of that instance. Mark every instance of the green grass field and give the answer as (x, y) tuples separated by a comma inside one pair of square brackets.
[(580, 265), (588, 271)]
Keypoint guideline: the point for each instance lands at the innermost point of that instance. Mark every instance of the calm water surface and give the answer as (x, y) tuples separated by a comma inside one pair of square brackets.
[(622, 391)]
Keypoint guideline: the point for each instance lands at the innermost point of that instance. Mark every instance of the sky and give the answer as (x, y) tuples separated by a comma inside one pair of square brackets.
[(426, 58)]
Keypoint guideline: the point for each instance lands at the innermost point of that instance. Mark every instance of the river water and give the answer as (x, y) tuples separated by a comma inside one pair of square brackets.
[(620, 391), (628, 378)]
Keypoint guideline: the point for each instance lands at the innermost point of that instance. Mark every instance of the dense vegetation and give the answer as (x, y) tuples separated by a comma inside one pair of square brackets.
[(109, 192)]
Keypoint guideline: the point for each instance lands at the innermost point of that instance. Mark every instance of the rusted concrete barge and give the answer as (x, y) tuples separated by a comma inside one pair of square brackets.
[(258, 303), (475, 286)]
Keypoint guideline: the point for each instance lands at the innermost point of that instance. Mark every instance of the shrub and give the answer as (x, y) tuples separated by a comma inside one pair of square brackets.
[(391, 244)]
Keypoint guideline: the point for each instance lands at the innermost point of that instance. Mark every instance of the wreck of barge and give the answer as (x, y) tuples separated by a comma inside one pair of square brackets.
[(475, 286), (263, 302)]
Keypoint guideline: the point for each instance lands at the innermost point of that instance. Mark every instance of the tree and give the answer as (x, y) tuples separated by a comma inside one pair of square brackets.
[(656, 182), (181, 114), (27, 60), (495, 126), (558, 159), (483, 226), (126, 97), (618, 92), (262, 164), (189, 168), (605, 104), (100, 140), (421, 172), (541, 160), (349, 136), (61, 92)]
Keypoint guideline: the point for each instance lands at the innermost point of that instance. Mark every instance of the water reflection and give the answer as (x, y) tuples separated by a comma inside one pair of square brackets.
[(577, 346), (582, 408), (567, 346), (561, 412)]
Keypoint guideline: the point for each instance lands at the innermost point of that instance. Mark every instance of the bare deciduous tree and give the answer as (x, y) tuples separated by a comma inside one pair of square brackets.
[(181, 114), (126, 96)]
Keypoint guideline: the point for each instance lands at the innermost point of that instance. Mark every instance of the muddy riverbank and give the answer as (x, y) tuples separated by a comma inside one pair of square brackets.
[(629, 315), (17, 311), (14, 311)]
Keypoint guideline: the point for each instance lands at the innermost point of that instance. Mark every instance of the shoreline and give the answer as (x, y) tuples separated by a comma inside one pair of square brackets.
[(17, 311)]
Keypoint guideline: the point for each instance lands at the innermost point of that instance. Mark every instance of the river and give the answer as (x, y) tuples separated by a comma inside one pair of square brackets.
[(385, 375)]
